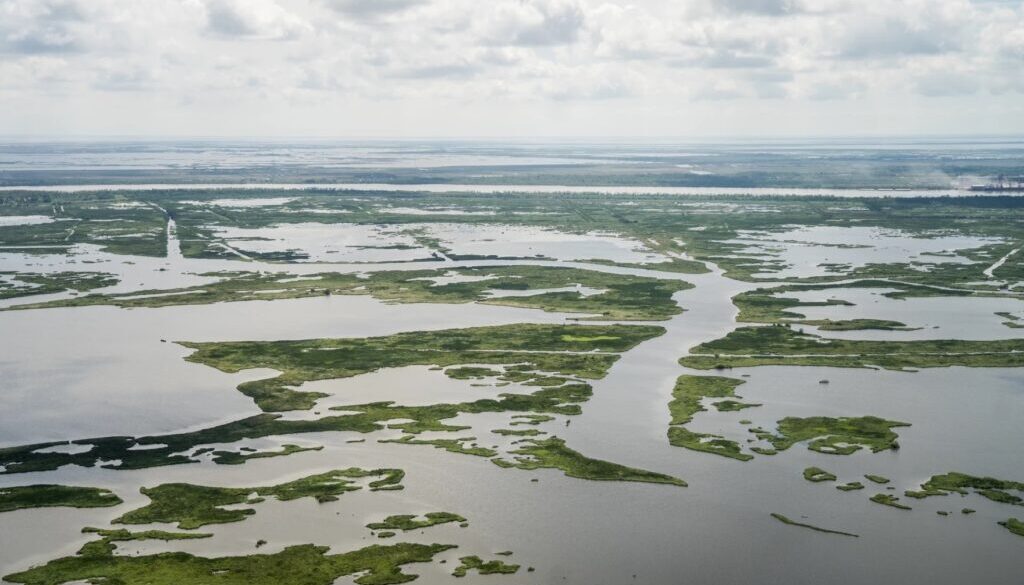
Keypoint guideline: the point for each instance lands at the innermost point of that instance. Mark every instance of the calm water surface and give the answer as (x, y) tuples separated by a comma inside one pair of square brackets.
[(72, 373)]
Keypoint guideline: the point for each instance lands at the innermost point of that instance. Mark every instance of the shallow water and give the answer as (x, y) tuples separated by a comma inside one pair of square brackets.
[(12, 220), (73, 373), (96, 371), (409, 386), (452, 277), (327, 242), (937, 317), (805, 249), (527, 241)]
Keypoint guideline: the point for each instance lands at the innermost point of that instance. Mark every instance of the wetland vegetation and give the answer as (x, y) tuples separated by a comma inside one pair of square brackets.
[(237, 458), (549, 288), (997, 490), (1013, 525), (115, 224), (687, 396), (783, 346), (889, 500), (475, 563), (362, 418), (834, 436), (105, 545), (702, 226), (406, 522), (770, 305), (528, 353), (545, 370), (193, 506), (788, 521), (22, 284), (463, 445), (577, 350), (1012, 321), (304, 564), (690, 390), (838, 436), (45, 496), (817, 474), (553, 453)]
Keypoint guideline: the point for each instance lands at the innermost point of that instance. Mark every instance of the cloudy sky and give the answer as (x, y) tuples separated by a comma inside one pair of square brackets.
[(352, 68)]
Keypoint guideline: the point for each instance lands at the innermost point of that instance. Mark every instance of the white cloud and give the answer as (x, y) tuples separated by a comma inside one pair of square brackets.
[(532, 23), (324, 62), (253, 19), (768, 7), (372, 9)]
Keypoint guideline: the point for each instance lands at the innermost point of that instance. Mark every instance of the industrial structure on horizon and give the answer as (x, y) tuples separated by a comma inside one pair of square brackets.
[(1002, 183)]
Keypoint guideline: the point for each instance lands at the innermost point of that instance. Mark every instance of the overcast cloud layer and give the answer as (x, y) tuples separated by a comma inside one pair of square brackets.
[(510, 67)]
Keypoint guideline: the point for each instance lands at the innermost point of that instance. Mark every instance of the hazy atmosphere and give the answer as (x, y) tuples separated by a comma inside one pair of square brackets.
[(527, 68)]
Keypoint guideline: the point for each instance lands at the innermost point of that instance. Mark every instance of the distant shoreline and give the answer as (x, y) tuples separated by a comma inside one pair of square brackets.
[(498, 189)]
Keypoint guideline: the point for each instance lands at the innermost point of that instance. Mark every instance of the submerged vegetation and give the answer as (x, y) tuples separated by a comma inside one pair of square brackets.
[(786, 520)]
